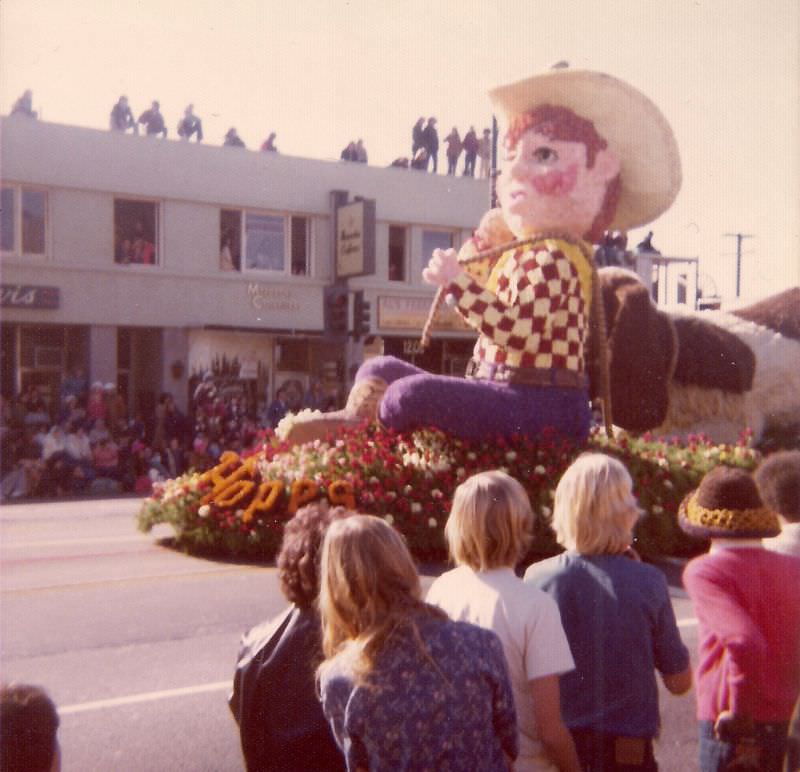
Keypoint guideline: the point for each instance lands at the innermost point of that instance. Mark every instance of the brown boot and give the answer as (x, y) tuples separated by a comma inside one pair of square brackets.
[(362, 405)]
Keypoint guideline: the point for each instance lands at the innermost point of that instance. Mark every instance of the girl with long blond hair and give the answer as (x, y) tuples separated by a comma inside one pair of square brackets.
[(488, 531), (402, 686)]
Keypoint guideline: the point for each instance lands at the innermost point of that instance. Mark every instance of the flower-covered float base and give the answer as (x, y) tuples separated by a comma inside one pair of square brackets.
[(239, 507)]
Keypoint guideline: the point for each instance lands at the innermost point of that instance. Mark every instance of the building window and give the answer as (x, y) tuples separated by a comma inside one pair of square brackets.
[(23, 223), (135, 231), (299, 245), (397, 253), (435, 240), (265, 238), (230, 240), (264, 242)]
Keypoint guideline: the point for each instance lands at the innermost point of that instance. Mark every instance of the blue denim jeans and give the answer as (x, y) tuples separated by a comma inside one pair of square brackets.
[(716, 756)]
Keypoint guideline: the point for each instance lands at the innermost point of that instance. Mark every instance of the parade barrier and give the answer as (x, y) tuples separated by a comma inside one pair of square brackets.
[(238, 508)]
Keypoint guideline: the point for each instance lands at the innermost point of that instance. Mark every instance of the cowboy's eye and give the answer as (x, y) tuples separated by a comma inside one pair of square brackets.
[(545, 155)]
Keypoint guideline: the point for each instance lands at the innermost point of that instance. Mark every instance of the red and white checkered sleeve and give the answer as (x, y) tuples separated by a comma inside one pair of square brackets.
[(534, 284)]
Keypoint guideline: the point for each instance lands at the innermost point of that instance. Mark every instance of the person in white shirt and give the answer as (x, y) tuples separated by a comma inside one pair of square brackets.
[(54, 442), (778, 480), (488, 531)]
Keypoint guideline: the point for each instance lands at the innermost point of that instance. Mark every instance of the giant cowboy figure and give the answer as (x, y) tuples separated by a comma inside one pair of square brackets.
[(582, 153)]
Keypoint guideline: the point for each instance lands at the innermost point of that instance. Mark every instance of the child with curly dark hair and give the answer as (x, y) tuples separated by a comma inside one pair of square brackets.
[(274, 698)]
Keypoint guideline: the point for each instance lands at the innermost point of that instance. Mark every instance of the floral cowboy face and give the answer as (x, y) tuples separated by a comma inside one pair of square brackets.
[(546, 184)]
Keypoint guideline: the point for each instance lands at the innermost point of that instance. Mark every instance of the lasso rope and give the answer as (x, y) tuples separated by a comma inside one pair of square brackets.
[(597, 317)]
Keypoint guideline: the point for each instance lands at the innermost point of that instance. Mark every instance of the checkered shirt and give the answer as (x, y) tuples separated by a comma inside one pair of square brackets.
[(538, 316)]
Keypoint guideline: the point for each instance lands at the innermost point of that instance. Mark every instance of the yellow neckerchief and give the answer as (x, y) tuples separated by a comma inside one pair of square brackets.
[(574, 253)]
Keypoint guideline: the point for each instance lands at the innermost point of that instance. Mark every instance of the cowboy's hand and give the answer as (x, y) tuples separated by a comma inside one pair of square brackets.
[(442, 268)]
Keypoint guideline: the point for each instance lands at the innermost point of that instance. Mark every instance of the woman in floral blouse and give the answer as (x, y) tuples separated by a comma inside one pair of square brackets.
[(403, 687)]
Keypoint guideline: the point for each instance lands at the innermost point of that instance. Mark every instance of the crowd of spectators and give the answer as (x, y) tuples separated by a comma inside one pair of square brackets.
[(556, 671), (425, 150), (90, 445), (424, 138), (190, 125)]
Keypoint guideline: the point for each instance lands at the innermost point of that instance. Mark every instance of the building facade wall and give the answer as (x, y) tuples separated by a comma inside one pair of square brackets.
[(185, 296)]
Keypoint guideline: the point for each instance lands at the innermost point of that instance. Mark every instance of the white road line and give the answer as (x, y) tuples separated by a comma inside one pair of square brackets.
[(218, 686), (132, 699)]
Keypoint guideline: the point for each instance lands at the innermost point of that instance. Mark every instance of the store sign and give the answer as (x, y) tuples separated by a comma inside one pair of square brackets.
[(266, 297), (410, 313), (29, 296), (355, 239)]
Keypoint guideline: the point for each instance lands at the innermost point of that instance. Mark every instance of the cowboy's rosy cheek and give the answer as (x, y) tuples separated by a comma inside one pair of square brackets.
[(556, 182)]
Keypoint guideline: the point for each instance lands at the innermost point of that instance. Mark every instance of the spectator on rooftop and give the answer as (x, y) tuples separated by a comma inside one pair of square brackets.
[(153, 121), (121, 118), (430, 141), (485, 153), (232, 139), (190, 125), (361, 152), (269, 144), (417, 140), (454, 146), (420, 160), (470, 152), (349, 153), (24, 105)]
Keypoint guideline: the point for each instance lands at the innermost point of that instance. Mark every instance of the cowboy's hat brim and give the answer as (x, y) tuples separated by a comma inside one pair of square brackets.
[(635, 129)]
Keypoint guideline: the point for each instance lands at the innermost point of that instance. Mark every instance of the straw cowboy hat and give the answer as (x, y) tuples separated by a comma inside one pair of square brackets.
[(635, 129)]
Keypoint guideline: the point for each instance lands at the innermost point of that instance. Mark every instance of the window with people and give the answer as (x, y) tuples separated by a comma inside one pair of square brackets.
[(270, 242), (23, 225), (135, 232)]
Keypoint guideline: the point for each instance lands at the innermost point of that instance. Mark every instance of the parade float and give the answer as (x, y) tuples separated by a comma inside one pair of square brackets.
[(583, 153)]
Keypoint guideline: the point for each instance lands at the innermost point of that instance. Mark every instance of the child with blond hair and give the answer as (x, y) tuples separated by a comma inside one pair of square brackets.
[(617, 615), (488, 531)]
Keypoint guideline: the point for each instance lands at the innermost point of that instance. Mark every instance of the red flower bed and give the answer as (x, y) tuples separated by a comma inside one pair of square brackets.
[(240, 506)]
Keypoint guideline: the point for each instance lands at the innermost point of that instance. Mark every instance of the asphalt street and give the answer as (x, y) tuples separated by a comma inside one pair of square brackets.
[(136, 642)]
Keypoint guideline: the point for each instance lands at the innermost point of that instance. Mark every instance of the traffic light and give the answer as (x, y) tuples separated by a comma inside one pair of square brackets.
[(336, 310), (360, 315)]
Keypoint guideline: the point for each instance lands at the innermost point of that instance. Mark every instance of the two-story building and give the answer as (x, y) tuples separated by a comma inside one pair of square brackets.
[(146, 262)]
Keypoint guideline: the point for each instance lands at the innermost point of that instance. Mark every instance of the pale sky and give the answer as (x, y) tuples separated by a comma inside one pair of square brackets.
[(726, 73)]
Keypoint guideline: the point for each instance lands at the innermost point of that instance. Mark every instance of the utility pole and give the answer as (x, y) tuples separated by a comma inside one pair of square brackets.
[(740, 237)]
